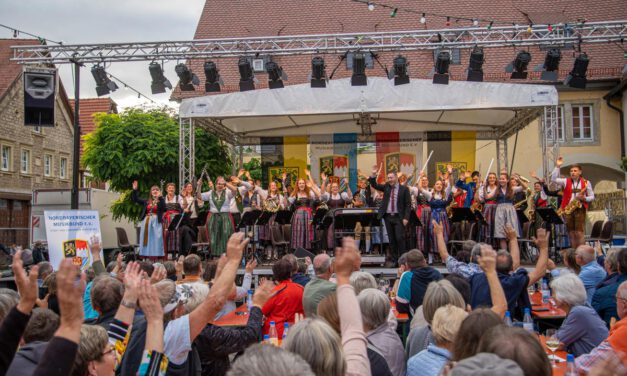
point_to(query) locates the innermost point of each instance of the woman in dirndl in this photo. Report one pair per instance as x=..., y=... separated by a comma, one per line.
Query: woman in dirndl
x=220, y=224
x=151, y=232
x=438, y=199
x=335, y=200
x=489, y=208
x=540, y=200
x=505, y=213
x=423, y=212
x=173, y=207
x=302, y=200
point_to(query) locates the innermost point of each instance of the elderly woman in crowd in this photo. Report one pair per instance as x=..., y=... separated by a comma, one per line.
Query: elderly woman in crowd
x=319, y=344
x=327, y=310
x=583, y=329
x=445, y=325
x=364, y=280
x=375, y=307
x=570, y=262
x=438, y=295
x=95, y=354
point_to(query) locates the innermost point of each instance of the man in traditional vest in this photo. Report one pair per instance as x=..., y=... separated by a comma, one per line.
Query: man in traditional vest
x=575, y=188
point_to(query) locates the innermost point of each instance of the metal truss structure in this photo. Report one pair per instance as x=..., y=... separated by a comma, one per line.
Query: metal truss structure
x=560, y=36
x=505, y=36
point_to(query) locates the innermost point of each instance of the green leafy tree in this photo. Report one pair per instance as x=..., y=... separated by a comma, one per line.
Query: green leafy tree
x=143, y=145
x=254, y=167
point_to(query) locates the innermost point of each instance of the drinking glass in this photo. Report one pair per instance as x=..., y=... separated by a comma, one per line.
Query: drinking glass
x=552, y=343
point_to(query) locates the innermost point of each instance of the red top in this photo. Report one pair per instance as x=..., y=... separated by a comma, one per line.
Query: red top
x=283, y=306
x=568, y=191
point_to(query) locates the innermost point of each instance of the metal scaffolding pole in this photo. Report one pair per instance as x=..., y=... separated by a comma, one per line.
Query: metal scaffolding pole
x=504, y=36
x=549, y=140
x=186, y=150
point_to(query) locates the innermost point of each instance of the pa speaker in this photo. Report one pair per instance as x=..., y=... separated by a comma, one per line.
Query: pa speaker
x=40, y=88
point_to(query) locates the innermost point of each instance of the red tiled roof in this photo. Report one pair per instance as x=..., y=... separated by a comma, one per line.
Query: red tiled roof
x=10, y=70
x=227, y=18
x=90, y=106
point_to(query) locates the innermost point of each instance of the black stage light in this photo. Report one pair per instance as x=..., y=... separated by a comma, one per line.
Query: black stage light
x=519, y=65
x=399, y=72
x=359, y=70
x=187, y=79
x=275, y=75
x=577, y=77
x=318, y=73
x=159, y=82
x=475, y=66
x=103, y=84
x=442, y=62
x=212, y=76
x=246, y=81
x=551, y=65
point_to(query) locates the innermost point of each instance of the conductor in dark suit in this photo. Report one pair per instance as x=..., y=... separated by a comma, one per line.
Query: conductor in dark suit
x=395, y=209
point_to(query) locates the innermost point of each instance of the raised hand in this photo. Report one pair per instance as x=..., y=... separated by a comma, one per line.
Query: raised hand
x=132, y=279
x=263, y=293
x=308, y=173
x=308, y=260
x=94, y=247
x=235, y=247
x=26, y=284
x=149, y=301
x=559, y=162
x=251, y=265
x=449, y=168
x=70, y=289
x=323, y=176
x=467, y=174
x=135, y=185
x=347, y=260
x=158, y=274
x=541, y=239
x=437, y=228
x=487, y=260
x=510, y=233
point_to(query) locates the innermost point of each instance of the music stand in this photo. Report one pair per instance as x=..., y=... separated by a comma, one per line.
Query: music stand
x=463, y=214
x=264, y=218
x=319, y=218
x=175, y=222
x=550, y=217
x=522, y=218
x=413, y=219
x=283, y=217
x=249, y=218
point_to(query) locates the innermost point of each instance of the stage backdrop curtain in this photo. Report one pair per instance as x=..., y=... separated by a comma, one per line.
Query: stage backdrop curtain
x=457, y=148
x=398, y=152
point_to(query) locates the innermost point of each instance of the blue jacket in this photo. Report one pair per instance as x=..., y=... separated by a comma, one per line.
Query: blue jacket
x=470, y=191
x=604, y=300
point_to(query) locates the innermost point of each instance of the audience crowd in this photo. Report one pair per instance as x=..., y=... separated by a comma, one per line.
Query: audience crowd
x=330, y=318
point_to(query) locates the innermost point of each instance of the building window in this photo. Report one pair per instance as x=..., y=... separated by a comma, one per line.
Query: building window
x=6, y=158
x=25, y=162
x=63, y=168
x=560, y=122
x=47, y=165
x=582, y=122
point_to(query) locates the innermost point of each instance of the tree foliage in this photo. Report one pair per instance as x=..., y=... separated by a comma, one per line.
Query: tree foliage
x=254, y=167
x=143, y=145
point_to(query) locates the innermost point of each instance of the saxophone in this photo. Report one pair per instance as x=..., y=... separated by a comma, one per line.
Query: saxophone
x=572, y=205
x=449, y=209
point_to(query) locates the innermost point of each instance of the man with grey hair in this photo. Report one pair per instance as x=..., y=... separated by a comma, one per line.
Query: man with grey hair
x=591, y=273
x=610, y=264
x=263, y=360
x=604, y=299
x=616, y=342
x=319, y=287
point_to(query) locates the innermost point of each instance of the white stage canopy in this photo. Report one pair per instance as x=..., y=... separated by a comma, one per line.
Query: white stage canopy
x=496, y=108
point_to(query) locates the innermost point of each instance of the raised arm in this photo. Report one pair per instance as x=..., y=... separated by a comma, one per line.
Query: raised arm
x=512, y=240
x=441, y=243
x=312, y=184
x=376, y=170
x=487, y=262
x=556, y=172
x=542, y=242
x=135, y=194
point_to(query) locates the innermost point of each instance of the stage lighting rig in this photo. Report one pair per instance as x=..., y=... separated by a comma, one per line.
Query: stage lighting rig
x=275, y=75
x=318, y=73
x=399, y=71
x=442, y=62
x=359, y=70
x=551, y=65
x=518, y=67
x=247, y=78
x=212, y=77
x=187, y=79
x=104, y=85
x=159, y=82
x=577, y=77
x=475, y=66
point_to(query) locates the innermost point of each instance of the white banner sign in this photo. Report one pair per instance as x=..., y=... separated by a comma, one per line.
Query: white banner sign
x=68, y=233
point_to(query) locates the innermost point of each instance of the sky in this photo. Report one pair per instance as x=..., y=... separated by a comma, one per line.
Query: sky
x=99, y=21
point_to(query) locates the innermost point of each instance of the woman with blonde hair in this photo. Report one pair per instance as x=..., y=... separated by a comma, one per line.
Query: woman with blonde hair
x=438, y=294
x=445, y=325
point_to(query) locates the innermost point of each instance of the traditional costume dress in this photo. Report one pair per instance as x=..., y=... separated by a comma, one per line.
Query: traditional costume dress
x=334, y=201
x=188, y=229
x=438, y=203
x=220, y=224
x=151, y=231
x=173, y=207
x=423, y=212
x=489, y=210
x=278, y=200
x=505, y=213
x=540, y=200
x=379, y=233
x=302, y=228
